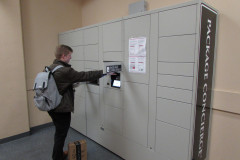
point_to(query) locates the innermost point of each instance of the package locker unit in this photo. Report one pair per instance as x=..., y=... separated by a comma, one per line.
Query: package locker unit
x=164, y=112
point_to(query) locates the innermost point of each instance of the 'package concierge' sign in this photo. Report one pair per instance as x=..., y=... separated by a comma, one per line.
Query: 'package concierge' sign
x=205, y=73
x=137, y=55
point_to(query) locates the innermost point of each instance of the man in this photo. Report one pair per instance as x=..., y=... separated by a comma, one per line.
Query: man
x=65, y=77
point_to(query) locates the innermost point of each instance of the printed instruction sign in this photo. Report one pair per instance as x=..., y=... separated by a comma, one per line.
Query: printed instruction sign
x=137, y=55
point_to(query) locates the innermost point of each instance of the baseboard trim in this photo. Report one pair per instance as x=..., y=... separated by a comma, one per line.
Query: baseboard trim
x=227, y=101
x=21, y=135
x=12, y=138
x=37, y=128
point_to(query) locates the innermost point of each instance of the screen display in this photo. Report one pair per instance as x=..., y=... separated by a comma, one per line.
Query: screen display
x=116, y=83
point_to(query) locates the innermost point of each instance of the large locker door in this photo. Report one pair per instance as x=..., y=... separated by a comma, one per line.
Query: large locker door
x=78, y=53
x=179, y=21
x=135, y=28
x=172, y=141
x=74, y=39
x=93, y=108
x=93, y=115
x=90, y=36
x=78, y=121
x=112, y=46
x=64, y=38
x=91, y=52
x=113, y=41
x=136, y=87
x=91, y=44
x=135, y=125
x=71, y=38
x=113, y=110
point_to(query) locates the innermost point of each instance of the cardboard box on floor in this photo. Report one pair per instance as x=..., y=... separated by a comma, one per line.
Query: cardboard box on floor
x=77, y=150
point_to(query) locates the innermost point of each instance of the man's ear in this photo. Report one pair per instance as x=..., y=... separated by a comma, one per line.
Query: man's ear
x=62, y=57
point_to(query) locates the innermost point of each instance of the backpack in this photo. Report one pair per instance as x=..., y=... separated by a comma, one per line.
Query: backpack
x=46, y=96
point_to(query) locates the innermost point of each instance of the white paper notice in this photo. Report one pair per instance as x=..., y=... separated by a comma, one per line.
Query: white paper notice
x=137, y=55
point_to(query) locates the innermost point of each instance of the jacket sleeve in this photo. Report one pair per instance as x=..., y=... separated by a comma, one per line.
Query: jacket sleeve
x=69, y=75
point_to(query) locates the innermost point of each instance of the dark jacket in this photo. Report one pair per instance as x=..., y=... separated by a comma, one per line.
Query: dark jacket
x=65, y=77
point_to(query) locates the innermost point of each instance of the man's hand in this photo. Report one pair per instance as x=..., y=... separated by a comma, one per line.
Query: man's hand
x=111, y=73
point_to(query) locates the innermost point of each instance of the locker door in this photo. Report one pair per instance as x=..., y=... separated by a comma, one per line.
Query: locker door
x=113, y=41
x=78, y=121
x=136, y=112
x=178, y=21
x=71, y=38
x=135, y=28
x=90, y=36
x=78, y=53
x=93, y=115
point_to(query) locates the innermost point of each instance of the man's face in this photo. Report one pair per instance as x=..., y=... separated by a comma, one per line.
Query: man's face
x=67, y=58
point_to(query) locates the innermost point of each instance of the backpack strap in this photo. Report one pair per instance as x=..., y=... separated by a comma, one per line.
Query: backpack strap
x=56, y=68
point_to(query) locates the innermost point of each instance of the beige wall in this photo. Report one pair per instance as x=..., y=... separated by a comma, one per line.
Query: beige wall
x=225, y=137
x=96, y=11
x=14, y=112
x=42, y=21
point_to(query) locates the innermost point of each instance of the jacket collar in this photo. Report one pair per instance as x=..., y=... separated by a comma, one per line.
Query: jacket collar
x=56, y=61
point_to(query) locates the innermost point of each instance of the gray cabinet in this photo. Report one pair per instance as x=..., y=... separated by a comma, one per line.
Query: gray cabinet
x=153, y=115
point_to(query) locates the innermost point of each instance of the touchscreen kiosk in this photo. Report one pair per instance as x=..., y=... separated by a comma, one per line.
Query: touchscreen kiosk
x=116, y=83
x=114, y=79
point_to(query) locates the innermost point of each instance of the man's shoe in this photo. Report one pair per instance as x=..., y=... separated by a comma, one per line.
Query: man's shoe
x=65, y=155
